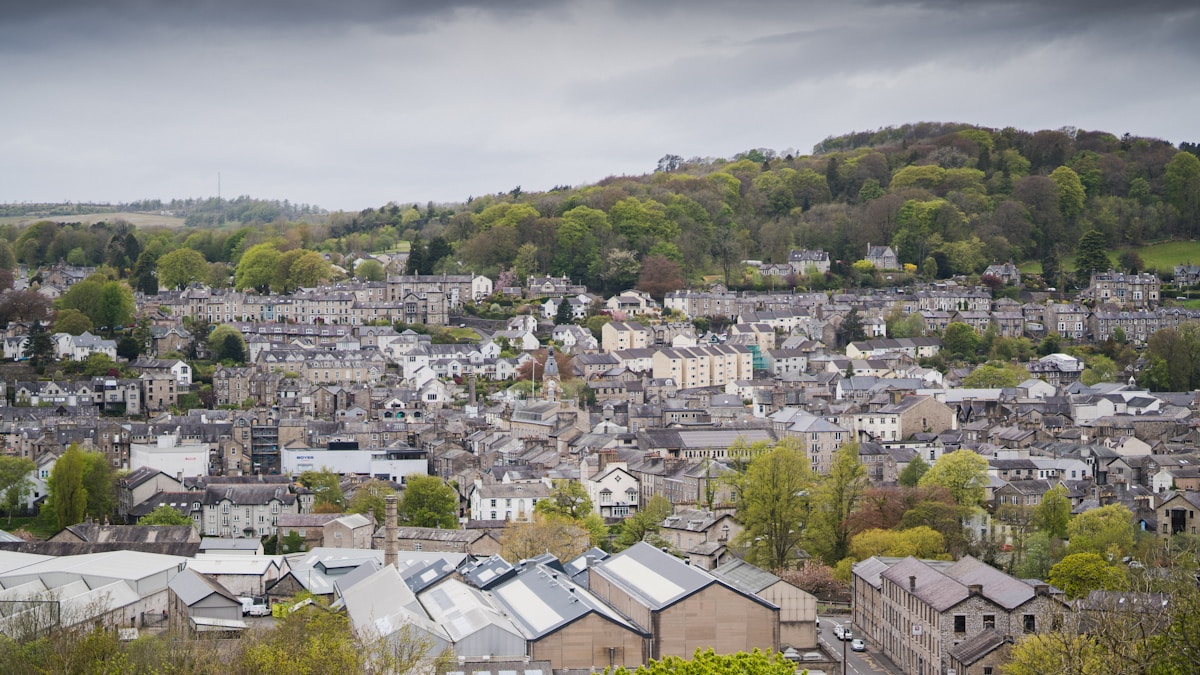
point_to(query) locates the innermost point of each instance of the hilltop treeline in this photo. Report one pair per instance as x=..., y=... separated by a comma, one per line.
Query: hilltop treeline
x=950, y=198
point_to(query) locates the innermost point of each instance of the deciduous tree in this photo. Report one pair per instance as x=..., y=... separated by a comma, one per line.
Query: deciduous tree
x=963, y=473
x=429, y=502
x=773, y=498
x=165, y=514
x=15, y=484
x=67, y=491
x=181, y=267
x=834, y=499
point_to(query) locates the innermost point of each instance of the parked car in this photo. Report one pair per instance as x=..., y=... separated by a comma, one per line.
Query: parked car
x=842, y=632
x=858, y=645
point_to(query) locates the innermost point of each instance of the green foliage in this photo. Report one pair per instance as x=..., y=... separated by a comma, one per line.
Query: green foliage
x=15, y=484
x=326, y=487
x=292, y=543
x=710, y=663
x=369, y=497
x=643, y=523
x=911, y=475
x=773, y=503
x=257, y=267
x=227, y=344
x=165, y=515
x=1091, y=256
x=1081, y=573
x=67, y=490
x=1107, y=530
x=429, y=502
x=568, y=498
x=960, y=340
x=834, y=499
x=370, y=270
x=1053, y=513
x=181, y=267
x=920, y=541
x=995, y=375
x=963, y=473
x=72, y=321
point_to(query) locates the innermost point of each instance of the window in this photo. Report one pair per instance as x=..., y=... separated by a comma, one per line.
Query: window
x=987, y=670
x=493, y=503
x=989, y=622
x=960, y=623
x=1030, y=623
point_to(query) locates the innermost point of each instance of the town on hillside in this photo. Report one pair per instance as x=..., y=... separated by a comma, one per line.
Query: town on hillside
x=523, y=475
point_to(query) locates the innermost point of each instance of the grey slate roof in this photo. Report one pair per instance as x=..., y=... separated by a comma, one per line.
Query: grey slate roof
x=976, y=647
x=192, y=587
x=745, y=576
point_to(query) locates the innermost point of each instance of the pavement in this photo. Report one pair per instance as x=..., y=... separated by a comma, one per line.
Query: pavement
x=870, y=662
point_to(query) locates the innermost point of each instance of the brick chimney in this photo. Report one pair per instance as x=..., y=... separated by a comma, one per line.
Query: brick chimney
x=390, y=545
x=912, y=584
x=975, y=589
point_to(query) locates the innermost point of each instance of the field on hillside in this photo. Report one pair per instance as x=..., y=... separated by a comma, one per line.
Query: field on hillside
x=1163, y=256
x=137, y=219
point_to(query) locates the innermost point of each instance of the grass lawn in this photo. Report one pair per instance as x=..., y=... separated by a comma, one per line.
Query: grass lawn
x=40, y=527
x=1163, y=256
x=1166, y=255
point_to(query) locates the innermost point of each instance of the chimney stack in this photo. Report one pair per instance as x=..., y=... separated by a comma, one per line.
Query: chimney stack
x=912, y=584
x=975, y=589
x=390, y=545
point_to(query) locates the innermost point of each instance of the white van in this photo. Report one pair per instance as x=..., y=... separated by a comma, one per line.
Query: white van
x=842, y=632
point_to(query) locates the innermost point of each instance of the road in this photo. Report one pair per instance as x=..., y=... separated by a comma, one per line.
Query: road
x=857, y=663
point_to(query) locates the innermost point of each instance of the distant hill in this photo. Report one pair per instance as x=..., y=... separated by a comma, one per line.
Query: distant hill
x=950, y=198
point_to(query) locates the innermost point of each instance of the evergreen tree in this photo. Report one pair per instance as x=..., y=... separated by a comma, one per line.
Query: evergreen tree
x=39, y=346
x=563, y=314
x=1091, y=256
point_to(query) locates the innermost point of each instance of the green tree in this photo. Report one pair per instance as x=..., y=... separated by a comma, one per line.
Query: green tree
x=710, y=663
x=995, y=376
x=67, y=490
x=370, y=270
x=221, y=343
x=1100, y=369
x=72, y=321
x=117, y=307
x=643, y=524
x=165, y=515
x=15, y=484
x=568, y=498
x=920, y=542
x=1183, y=189
x=144, y=275
x=963, y=473
x=1056, y=652
x=834, y=499
x=1071, y=194
x=429, y=502
x=1107, y=530
x=370, y=498
x=1081, y=573
x=773, y=503
x=562, y=313
x=852, y=327
x=281, y=276
x=256, y=267
x=1091, y=256
x=39, y=345
x=960, y=340
x=1053, y=514
x=911, y=475
x=326, y=487
x=100, y=484
x=309, y=270
x=181, y=267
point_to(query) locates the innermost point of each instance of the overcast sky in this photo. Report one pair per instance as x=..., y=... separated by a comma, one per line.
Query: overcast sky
x=348, y=104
